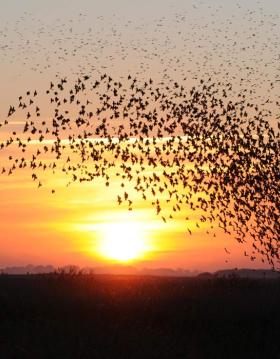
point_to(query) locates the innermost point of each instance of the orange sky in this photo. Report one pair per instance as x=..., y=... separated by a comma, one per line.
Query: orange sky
x=41, y=41
x=64, y=228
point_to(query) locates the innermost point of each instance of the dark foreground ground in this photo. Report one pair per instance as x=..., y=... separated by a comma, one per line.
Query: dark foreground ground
x=61, y=316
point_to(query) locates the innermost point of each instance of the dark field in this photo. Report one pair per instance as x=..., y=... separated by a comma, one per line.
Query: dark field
x=86, y=316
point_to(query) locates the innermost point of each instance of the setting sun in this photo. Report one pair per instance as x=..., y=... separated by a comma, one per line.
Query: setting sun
x=122, y=242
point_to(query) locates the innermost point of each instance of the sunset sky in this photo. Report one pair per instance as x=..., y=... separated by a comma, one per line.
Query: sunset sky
x=80, y=224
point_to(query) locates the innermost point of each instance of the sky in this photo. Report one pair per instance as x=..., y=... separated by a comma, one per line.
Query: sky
x=229, y=41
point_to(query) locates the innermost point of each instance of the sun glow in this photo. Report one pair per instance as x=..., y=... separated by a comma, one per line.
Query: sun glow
x=122, y=242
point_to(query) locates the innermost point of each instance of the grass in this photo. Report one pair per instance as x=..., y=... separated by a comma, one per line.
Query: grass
x=102, y=316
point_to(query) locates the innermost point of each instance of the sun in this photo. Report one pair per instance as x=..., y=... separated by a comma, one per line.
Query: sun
x=122, y=242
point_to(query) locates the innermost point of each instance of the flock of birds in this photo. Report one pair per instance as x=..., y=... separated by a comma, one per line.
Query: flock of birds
x=233, y=41
x=209, y=146
x=179, y=149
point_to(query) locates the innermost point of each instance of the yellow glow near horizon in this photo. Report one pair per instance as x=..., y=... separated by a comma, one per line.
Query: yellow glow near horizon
x=122, y=241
